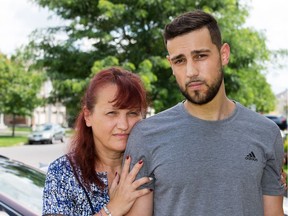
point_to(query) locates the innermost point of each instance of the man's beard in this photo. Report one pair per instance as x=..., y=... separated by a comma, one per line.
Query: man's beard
x=200, y=98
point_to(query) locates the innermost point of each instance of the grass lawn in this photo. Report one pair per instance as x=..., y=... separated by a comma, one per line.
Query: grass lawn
x=22, y=129
x=21, y=133
x=6, y=141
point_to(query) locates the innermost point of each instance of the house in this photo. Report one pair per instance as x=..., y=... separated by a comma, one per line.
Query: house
x=50, y=113
x=2, y=125
x=282, y=103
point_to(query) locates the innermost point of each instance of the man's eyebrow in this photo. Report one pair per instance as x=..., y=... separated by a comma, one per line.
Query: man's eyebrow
x=177, y=57
x=194, y=52
x=200, y=51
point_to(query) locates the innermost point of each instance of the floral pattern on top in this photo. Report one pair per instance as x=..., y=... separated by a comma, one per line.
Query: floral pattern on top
x=64, y=195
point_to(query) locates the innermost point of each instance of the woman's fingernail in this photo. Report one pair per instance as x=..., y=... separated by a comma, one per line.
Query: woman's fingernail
x=151, y=190
x=150, y=178
x=140, y=162
x=127, y=157
x=116, y=173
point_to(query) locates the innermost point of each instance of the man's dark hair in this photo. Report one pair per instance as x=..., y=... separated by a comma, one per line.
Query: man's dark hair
x=191, y=21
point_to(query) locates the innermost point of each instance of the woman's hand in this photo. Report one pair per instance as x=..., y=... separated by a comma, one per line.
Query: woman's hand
x=284, y=176
x=123, y=191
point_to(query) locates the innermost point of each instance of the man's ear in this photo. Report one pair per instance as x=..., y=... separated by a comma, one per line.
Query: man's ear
x=168, y=58
x=225, y=54
x=87, y=116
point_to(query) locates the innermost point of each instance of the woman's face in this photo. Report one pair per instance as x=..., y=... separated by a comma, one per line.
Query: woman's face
x=111, y=126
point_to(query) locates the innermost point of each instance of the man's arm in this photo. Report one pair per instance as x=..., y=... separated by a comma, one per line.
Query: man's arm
x=143, y=206
x=273, y=205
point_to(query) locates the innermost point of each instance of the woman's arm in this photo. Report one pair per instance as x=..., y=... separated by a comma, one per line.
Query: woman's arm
x=273, y=205
x=125, y=190
x=143, y=206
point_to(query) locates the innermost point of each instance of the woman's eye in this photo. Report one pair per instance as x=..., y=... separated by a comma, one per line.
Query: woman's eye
x=111, y=113
x=134, y=113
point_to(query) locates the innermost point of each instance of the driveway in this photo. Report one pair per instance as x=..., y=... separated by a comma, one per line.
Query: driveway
x=35, y=155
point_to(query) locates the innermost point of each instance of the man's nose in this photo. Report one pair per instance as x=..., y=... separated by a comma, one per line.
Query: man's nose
x=191, y=70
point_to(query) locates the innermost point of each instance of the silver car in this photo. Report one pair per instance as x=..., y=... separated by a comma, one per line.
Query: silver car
x=47, y=133
x=21, y=188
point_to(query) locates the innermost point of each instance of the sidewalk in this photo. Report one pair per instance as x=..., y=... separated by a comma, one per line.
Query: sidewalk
x=8, y=132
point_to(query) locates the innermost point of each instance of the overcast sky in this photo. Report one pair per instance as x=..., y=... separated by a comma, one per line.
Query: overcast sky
x=18, y=18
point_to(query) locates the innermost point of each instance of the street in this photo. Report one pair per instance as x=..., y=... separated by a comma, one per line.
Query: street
x=35, y=155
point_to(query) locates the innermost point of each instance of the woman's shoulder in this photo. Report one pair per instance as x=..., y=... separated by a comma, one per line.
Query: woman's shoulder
x=61, y=165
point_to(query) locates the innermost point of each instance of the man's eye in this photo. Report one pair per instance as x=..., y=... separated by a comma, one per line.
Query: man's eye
x=200, y=56
x=178, y=61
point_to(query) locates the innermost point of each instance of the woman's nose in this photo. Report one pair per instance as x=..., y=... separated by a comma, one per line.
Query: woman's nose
x=123, y=123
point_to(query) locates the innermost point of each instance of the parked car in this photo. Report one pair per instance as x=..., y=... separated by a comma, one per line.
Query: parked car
x=47, y=133
x=21, y=188
x=281, y=121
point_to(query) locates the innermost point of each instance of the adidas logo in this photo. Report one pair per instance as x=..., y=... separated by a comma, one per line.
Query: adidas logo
x=251, y=156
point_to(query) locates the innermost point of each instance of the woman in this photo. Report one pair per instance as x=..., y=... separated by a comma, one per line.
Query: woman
x=79, y=183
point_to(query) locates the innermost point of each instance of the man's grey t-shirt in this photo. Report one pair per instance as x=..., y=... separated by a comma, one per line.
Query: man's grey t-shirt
x=209, y=167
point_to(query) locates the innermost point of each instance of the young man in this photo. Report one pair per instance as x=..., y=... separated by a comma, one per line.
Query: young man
x=209, y=155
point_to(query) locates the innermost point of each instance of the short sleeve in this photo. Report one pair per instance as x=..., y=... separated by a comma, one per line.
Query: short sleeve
x=271, y=179
x=137, y=150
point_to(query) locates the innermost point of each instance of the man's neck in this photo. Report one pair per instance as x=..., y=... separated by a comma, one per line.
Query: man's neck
x=218, y=109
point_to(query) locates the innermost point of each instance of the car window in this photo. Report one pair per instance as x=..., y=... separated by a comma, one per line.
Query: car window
x=6, y=210
x=44, y=127
x=272, y=117
x=23, y=185
x=47, y=127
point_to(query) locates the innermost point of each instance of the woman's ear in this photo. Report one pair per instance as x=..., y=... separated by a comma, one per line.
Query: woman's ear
x=225, y=54
x=87, y=116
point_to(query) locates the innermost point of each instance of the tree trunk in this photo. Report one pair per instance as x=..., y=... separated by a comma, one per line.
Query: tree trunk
x=13, y=125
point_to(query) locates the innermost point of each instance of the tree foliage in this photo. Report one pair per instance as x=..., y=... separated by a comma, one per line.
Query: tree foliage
x=128, y=33
x=19, y=88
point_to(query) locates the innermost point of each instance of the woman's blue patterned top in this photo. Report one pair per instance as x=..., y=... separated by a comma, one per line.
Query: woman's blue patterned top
x=64, y=195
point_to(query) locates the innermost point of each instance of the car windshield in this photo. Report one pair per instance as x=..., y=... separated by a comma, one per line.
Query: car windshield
x=45, y=127
x=22, y=184
x=272, y=117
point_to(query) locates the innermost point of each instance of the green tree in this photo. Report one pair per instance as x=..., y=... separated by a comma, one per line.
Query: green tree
x=19, y=89
x=129, y=33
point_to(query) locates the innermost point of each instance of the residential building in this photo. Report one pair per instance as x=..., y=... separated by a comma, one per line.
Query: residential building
x=282, y=103
x=50, y=113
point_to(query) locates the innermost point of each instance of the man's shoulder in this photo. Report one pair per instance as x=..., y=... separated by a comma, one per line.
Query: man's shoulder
x=162, y=121
x=255, y=117
x=171, y=112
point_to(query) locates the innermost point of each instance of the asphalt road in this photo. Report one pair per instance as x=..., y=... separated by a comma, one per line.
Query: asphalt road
x=35, y=155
